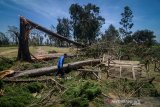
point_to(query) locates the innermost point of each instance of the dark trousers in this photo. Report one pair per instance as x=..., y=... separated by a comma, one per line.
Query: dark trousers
x=60, y=71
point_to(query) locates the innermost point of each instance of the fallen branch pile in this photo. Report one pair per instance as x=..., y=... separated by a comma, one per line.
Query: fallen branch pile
x=9, y=80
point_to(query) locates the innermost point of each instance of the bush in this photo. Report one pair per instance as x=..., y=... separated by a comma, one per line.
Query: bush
x=15, y=97
x=35, y=87
x=79, y=96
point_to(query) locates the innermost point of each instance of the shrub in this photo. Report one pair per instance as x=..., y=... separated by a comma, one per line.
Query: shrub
x=35, y=87
x=15, y=97
x=79, y=96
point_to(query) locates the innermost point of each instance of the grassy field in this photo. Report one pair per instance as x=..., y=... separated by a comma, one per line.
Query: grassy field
x=11, y=52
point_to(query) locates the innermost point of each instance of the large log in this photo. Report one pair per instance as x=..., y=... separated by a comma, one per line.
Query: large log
x=49, y=70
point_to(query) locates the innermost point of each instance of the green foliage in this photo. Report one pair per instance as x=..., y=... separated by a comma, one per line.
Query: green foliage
x=155, y=52
x=35, y=87
x=86, y=22
x=124, y=86
x=15, y=97
x=4, y=40
x=37, y=65
x=126, y=22
x=79, y=96
x=5, y=63
x=111, y=34
x=52, y=51
x=63, y=28
x=144, y=37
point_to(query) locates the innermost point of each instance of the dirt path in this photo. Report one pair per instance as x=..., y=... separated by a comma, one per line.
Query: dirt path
x=42, y=53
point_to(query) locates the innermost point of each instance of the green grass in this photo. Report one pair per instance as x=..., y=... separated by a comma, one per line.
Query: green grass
x=6, y=63
x=15, y=97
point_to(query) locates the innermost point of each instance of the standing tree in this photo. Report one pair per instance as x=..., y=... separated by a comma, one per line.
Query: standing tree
x=111, y=34
x=86, y=22
x=144, y=37
x=126, y=22
x=4, y=40
x=63, y=28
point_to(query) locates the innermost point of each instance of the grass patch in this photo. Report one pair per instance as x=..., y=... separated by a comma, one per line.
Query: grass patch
x=5, y=63
x=35, y=87
x=52, y=51
x=15, y=97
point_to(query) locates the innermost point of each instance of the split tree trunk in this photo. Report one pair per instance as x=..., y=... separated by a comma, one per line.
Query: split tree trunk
x=49, y=70
x=23, y=49
x=25, y=26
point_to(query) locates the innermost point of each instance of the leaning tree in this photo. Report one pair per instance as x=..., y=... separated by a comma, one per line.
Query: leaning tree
x=25, y=27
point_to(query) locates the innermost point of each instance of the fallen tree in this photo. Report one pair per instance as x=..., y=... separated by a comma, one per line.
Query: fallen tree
x=49, y=70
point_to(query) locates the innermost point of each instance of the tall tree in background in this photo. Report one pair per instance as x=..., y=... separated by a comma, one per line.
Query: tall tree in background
x=63, y=28
x=126, y=22
x=14, y=32
x=36, y=37
x=86, y=22
x=144, y=37
x=111, y=34
x=4, y=40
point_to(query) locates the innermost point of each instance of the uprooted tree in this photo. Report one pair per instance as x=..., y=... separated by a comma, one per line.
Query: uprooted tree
x=25, y=27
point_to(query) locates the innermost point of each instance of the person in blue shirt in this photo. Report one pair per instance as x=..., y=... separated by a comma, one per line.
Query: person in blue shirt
x=60, y=66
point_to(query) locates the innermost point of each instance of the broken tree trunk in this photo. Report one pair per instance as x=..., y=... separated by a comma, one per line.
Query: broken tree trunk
x=58, y=36
x=25, y=27
x=48, y=70
x=23, y=50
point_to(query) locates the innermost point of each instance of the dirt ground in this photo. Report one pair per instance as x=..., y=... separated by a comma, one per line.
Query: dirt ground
x=38, y=51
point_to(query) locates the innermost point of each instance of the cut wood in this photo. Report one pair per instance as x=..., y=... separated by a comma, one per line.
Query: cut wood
x=5, y=73
x=48, y=70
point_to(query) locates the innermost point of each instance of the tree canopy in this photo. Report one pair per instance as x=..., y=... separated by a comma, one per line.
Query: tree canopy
x=86, y=22
x=111, y=34
x=144, y=37
x=126, y=22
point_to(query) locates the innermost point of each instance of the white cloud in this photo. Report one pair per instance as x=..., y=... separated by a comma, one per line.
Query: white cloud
x=46, y=8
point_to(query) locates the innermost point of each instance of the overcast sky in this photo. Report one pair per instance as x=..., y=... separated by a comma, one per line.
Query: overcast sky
x=45, y=12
